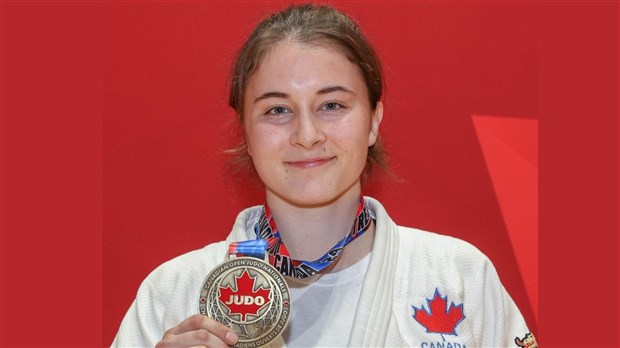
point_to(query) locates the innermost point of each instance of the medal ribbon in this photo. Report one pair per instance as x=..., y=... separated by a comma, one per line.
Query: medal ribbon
x=279, y=257
x=254, y=248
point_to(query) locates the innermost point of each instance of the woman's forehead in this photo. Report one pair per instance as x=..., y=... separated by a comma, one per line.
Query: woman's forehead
x=302, y=67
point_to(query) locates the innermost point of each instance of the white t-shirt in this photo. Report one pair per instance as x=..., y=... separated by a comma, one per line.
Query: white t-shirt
x=324, y=307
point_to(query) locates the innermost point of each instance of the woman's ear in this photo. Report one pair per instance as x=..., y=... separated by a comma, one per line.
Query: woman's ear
x=246, y=144
x=375, y=121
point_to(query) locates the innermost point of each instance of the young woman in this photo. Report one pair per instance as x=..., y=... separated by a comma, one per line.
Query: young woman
x=307, y=88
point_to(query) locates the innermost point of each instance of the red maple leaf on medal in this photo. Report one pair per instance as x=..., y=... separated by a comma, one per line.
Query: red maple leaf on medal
x=439, y=318
x=244, y=299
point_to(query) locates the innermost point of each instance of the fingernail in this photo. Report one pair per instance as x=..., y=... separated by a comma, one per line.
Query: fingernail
x=231, y=337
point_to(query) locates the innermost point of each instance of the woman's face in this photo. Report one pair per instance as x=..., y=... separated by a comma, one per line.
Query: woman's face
x=308, y=124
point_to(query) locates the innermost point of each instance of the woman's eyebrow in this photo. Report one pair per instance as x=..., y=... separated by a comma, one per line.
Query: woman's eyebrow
x=331, y=89
x=322, y=91
x=271, y=95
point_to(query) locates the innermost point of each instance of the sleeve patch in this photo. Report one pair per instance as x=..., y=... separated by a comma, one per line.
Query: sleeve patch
x=529, y=341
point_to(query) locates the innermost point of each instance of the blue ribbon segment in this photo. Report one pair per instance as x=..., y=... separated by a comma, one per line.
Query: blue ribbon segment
x=253, y=248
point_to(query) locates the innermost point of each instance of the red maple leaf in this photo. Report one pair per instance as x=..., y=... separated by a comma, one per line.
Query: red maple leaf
x=439, y=319
x=244, y=299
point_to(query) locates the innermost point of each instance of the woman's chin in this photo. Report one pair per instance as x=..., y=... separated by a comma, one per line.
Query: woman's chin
x=312, y=197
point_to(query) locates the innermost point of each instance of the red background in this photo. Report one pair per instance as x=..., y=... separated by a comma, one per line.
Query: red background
x=115, y=116
x=165, y=116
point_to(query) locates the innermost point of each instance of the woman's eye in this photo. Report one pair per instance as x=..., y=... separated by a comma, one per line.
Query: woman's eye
x=332, y=106
x=277, y=110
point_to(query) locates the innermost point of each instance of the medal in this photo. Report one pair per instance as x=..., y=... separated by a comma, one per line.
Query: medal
x=248, y=292
x=248, y=295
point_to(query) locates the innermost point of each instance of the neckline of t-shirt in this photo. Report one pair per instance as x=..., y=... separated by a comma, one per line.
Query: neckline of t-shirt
x=351, y=273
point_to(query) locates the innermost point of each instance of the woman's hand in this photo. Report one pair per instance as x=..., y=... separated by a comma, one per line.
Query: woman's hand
x=198, y=330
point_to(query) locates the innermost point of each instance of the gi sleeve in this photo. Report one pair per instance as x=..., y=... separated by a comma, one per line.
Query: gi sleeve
x=142, y=325
x=503, y=326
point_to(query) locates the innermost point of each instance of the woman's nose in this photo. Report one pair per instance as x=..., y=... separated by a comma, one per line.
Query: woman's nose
x=307, y=132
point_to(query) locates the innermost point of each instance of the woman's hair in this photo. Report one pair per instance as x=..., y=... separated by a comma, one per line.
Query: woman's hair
x=312, y=25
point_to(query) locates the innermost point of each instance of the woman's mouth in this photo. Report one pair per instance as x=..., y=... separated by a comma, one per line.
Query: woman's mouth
x=310, y=163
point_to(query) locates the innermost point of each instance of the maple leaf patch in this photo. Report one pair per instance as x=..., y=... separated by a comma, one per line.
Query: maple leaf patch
x=244, y=299
x=439, y=318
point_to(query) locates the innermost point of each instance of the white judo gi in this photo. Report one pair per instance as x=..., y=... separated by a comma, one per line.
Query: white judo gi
x=420, y=289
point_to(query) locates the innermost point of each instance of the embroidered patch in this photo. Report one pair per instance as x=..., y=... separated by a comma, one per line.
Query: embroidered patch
x=439, y=318
x=529, y=341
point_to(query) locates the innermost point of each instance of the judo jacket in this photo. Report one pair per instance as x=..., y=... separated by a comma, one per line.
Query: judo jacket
x=421, y=289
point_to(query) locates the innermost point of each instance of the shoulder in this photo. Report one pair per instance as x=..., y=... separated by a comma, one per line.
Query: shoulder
x=438, y=246
x=189, y=265
x=425, y=246
x=171, y=281
x=440, y=259
x=198, y=263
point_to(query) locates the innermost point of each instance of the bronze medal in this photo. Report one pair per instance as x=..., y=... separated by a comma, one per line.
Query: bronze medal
x=249, y=296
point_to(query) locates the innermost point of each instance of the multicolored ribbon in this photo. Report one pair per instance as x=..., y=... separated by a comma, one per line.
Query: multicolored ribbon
x=269, y=237
x=254, y=248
